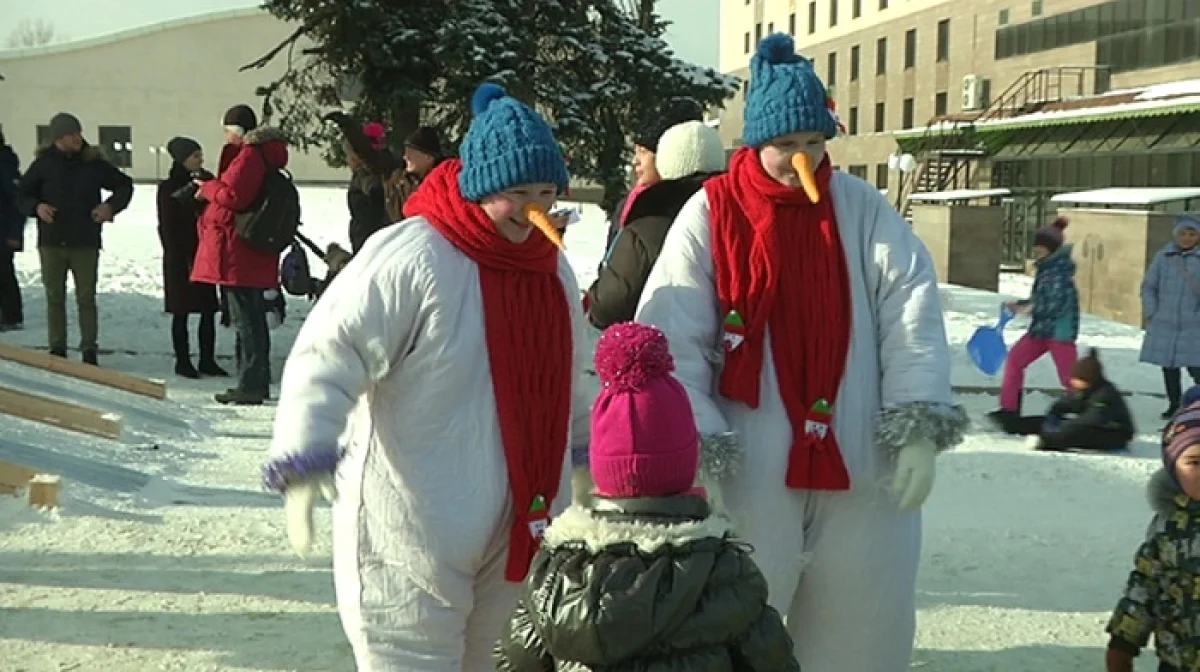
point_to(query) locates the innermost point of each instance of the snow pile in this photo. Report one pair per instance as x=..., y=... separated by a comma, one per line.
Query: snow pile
x=1186, y=87
x=166, y=554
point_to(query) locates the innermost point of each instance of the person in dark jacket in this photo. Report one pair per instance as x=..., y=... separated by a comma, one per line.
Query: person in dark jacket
x=645, y=153
x=178, y=212
x=646, y=577
x=62, y=188
x=688, y=154
x=1093, y=417
x=12, y=239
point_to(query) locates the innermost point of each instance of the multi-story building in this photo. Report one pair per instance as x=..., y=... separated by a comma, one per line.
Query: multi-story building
x=1036, y=96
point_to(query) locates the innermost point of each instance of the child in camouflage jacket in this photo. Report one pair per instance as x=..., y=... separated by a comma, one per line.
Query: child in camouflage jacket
x=1161, y=596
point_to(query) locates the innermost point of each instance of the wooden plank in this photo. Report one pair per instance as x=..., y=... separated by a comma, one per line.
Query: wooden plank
x=155, y=389
x=60, y=414
x=14, y=477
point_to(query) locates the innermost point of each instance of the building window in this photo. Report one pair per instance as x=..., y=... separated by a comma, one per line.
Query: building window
x=940, y=103
x=771, y=28
x=747, y=41
x=881, y=175
x=758, y=32
x=910, y=49
x=1037, y=7
x=883, y=4
x=831, y=74
x=909, y=112
x=859, y=171
x=117, y=144
x=880, y=117
x=833, y=9
x=792, y=23
x=881, y=56
x=855, y=12
x=812, y=17
x=1003, y=20
x=855, y=56
x=943, y=41
x=852, y=122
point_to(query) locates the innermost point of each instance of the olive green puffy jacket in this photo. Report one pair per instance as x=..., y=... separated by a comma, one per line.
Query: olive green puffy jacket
x=645, y=585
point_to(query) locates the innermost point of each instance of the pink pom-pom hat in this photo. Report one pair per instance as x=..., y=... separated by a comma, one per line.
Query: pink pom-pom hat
x=644, y=438
x=376, y=133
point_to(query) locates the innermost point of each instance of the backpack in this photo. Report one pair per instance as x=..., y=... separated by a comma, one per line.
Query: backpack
x=271, y=223
x=294, y=274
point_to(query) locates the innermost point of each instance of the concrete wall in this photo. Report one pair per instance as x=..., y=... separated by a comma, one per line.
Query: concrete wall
x=1113, y=249
x=170, y=79
x=964, y=240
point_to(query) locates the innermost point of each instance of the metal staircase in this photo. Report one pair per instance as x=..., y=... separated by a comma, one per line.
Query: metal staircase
x=949, y=150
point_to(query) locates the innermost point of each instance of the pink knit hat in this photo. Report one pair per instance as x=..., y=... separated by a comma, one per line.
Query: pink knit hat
x=644, y=438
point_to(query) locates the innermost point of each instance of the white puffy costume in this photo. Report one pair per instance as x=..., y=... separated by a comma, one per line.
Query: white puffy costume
x=841, y=564
x=390, y=380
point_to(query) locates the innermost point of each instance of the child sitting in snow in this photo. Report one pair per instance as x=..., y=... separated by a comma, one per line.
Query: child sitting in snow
x=1054, y=311
x=647, y=573
x=1160, y=595
x=1093, y=417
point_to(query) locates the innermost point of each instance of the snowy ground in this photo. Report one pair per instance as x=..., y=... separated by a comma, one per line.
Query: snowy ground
x=167, y=556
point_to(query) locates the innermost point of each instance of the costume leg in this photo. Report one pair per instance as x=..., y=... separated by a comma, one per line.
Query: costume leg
x=495, y=599
x=1024, y=352
x=856, y=605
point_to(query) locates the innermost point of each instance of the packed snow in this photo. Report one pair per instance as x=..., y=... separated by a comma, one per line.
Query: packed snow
x=166, y=554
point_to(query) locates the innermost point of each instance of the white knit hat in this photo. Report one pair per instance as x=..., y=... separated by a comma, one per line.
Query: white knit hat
x=687, y=149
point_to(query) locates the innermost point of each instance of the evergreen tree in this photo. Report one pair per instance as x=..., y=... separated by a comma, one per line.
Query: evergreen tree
x=595, y=69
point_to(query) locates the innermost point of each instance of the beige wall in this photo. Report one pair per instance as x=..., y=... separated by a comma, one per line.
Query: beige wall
x=166, y=80
x=972, y=51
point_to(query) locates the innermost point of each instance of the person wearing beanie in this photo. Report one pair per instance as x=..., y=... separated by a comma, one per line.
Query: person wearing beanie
x=646, y=577
x=1093, y=417
x=247, y=276
x=1170, y=301
x=672, y=112
x=1053, y=309
x=178, y=213
x=12, y=239
x=688, y=154
x=451, y=341
x=1159, y=595
x=374, y=168
x=64, y=189
x=820, y=445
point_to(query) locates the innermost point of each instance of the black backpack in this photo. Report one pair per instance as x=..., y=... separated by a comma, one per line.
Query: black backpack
x=271, y=223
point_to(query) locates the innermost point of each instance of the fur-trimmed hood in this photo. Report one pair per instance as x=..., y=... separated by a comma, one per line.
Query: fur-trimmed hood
x=1164, y=494
x=611, y=523
x=264, y=134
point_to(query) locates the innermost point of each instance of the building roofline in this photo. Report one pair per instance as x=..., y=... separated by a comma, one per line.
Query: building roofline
x=122, y=35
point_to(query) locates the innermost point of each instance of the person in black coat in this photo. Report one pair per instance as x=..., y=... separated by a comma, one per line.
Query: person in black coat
x=178, y=212
x=1093, y=417
x=12, y=239
x=688, y=154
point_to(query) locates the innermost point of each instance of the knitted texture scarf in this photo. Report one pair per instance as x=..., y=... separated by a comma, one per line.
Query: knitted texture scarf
x=780, y=265
x=529, y=341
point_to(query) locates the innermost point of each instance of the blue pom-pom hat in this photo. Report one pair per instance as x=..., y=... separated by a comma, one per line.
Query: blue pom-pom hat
x=786, y=96
x=508, y=144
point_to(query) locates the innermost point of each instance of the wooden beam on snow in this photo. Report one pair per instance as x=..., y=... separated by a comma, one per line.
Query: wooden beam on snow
x=155, y=389
x=60, y=414
x=15, y=477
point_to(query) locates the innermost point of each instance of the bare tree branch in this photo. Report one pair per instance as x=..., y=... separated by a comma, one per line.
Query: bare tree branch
x=270, y=55
x=32, y=33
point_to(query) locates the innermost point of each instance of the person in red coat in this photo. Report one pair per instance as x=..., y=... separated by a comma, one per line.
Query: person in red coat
x=225, y=260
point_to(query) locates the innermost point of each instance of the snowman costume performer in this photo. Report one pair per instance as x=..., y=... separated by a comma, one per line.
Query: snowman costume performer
x=443, y=359
x=805, y=321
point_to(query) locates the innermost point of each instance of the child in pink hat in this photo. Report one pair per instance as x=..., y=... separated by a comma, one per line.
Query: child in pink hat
x=647, y=570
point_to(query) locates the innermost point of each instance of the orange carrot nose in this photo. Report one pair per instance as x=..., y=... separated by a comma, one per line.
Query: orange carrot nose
x=803, y=168
x=538, y=217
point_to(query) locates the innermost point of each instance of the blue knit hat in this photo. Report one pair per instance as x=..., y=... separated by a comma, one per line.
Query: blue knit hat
x=1186, y=222
x=508, y=144
x=785, y=96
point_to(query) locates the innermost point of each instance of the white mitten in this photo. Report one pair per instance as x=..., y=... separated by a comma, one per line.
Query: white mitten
x=916, y=466
x=299, y=500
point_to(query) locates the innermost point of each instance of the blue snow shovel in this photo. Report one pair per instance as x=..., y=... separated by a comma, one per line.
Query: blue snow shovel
x=987, y=348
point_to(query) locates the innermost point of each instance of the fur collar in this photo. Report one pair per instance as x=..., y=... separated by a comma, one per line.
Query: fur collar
x=1164, y=495
x=578, y=525
x=264, y=134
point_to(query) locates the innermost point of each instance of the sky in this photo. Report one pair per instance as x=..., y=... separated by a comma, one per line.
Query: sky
x=693, y=35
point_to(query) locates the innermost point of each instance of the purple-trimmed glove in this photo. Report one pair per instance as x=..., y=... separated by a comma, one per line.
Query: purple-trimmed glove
x=302, y=480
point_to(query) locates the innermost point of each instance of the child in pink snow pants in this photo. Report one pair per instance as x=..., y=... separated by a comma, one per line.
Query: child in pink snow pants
x=1054, y=310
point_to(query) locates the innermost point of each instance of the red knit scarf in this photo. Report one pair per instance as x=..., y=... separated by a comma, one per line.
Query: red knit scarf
x=529, y=342
x=779, y=263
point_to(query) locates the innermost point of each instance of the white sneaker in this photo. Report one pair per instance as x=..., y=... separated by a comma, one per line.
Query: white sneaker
x=1033, y=442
